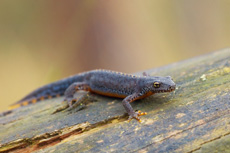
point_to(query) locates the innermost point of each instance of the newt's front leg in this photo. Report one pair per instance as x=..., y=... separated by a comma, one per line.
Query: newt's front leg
x=126, y=103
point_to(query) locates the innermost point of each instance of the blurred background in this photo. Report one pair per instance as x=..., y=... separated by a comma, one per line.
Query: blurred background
x=46, y=40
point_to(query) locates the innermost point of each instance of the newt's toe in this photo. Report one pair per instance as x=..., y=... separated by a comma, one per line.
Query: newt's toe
x=139, y=113
x=136, y=116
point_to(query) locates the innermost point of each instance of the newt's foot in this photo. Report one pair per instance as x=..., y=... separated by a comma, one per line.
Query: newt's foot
x=136, y=115
x=64, y=107
x=71, y=101
x=80, y=101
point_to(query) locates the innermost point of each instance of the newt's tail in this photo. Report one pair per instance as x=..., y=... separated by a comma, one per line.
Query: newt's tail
x=52, y=90
x=32, y=100
x=14, y=106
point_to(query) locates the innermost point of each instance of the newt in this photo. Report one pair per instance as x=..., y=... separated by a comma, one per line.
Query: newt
x=103, y=82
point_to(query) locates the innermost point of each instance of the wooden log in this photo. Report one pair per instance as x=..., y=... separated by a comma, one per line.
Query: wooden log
x=194, y=118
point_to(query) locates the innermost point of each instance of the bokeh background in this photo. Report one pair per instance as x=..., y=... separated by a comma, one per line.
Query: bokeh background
x=46, y=40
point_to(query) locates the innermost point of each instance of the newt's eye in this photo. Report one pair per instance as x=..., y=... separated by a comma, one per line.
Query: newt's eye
x=156, y=84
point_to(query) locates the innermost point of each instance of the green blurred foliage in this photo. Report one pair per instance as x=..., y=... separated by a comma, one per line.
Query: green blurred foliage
x=42, y=41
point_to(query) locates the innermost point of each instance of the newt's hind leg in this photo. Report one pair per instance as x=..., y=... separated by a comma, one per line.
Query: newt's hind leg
x=70, y=91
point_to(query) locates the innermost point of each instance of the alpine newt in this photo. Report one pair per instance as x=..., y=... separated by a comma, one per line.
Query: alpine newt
x=103, y=82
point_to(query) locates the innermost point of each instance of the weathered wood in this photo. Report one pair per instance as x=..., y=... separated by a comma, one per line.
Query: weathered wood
x=194, y=118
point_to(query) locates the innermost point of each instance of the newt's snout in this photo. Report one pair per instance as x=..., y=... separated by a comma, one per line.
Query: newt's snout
x=171, y=84
x=172, y=88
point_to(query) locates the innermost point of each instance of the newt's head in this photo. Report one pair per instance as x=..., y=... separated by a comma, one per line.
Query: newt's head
x=163, y=84
x=159, y=84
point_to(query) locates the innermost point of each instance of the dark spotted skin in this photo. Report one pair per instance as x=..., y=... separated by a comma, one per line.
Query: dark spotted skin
x=103, y=82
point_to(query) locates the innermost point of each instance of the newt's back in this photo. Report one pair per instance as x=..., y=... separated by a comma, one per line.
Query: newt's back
x=112, y=83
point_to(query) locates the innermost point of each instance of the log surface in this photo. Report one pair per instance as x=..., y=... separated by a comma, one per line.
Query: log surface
x=194, y=118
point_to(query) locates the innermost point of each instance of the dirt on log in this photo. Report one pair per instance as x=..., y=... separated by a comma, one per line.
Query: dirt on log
x=193, y=118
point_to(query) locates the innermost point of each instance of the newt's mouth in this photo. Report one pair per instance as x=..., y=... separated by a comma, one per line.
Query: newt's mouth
x=170, y=89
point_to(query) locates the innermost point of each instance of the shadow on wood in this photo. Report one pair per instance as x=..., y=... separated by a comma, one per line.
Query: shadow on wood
x=194, y=118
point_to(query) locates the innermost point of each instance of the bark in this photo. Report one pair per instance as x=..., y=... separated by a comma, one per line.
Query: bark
x=194, y=118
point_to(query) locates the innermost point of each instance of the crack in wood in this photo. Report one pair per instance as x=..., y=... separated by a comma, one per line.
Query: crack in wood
x=208, y=141
x=50, y=139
